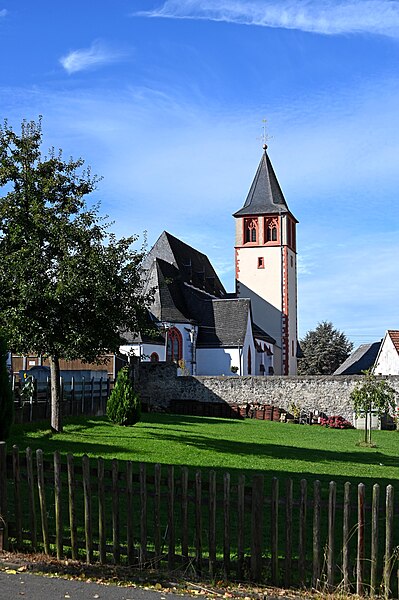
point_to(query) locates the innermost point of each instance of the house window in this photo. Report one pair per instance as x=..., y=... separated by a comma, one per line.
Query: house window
x=261, y=262
x=249, y=361
x=174, y=345
x=154, y=357
x=271, y=230
x=250, y=231
x=292, y=262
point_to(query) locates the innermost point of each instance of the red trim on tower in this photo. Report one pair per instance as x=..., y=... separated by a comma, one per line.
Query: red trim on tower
x=285, y=316
x=237, y=264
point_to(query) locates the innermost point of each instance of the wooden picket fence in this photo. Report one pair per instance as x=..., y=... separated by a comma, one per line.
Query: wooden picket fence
x=82, y=396
x=234, y=526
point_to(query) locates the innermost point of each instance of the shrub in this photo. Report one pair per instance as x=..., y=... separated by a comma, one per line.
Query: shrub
x=6, y=395
x=124, y=406
x=336, y=422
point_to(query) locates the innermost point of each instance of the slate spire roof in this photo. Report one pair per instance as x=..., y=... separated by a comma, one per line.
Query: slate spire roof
x=265, y=195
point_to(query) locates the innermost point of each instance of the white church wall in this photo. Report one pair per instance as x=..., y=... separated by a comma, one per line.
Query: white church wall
x=218, y=361
x=143, y=350
x=267, y=278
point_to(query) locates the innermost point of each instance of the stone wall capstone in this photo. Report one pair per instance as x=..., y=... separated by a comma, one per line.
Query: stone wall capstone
x=159, y=384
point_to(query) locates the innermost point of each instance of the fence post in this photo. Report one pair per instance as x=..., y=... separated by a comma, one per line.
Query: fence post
x=374, y=539
x=331, y=533
x=257, y=526
x=346, y=535
x=83, y=397
x=274, y=530
x=360, y=539
x=302, y=531
x=100, y=394
x=72, y=404
x=17, y=495
x=92, y=395
x=316, y=533
x=3, y=497
x=388, y=558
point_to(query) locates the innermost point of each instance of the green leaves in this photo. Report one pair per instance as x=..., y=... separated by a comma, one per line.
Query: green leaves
x=68, y=285
x=123, y=406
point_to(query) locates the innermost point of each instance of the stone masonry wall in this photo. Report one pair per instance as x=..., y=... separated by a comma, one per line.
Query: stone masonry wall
x=158, y=384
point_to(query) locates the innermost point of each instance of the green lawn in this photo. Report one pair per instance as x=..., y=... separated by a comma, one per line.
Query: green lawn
x=284, y=450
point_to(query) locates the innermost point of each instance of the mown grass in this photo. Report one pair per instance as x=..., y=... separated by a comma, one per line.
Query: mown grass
x=249, y=446
x=281, y=450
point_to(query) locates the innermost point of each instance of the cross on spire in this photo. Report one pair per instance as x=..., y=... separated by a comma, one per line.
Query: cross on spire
x=265, y=137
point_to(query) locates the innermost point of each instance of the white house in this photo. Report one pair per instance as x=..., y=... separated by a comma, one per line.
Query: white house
x=387, y=361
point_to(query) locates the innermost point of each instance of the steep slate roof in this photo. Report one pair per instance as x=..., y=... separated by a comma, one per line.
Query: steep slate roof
x=361, y=359
x=169, y=302
x=181, y=296
x=225, y=323
x=265, y=195
x=194, y=266
x=260, y=334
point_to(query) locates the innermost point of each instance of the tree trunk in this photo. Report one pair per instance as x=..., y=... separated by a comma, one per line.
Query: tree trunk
x=365, y=426
x=56, y=424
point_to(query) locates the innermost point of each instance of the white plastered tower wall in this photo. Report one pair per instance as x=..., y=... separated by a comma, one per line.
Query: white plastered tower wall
x=266, y=264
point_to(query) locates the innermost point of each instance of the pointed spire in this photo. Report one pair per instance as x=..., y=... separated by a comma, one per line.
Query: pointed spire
x=265, y=195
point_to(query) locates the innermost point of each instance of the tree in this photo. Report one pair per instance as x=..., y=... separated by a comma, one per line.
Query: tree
x=323, y=349
x=69, y=287
x=6, y=395
x=372, y=395
x=124, y=406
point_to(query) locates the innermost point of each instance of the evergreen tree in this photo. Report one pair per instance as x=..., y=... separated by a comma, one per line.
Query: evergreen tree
x=124, y=406
x=324, y=350
x=68, y=286
x=6, y=395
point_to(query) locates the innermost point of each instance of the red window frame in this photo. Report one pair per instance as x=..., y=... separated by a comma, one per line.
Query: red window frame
x=251, y=231
x=174, y=345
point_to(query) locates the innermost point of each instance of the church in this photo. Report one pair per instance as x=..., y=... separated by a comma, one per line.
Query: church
x=208, y=331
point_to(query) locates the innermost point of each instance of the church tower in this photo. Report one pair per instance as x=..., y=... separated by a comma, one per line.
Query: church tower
x=266, y=265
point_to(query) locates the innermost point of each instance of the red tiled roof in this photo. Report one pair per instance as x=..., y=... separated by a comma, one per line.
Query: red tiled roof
x=394, y=335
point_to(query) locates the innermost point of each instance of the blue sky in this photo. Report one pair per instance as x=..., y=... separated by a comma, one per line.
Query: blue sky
x=165, y=100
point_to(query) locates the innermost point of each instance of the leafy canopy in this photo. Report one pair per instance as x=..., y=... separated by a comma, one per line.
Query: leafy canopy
x=68, y=285
x=372, y=395
x=324, y=350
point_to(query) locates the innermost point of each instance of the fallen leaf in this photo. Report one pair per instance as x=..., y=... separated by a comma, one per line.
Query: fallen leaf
x=11, y=571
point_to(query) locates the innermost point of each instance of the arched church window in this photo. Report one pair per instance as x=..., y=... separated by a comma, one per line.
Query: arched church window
x=249, y=361
x=174, y=345
x=250, y=230
x=271, y=230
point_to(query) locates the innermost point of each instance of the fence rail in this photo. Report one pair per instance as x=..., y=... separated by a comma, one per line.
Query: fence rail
x=247, y=528
x=81, y=396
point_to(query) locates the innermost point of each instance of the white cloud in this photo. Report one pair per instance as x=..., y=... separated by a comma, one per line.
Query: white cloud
x=87, y=58
x=326, y=17
x=3, y=12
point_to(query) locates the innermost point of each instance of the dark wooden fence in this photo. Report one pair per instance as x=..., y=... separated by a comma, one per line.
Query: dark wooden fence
x=234, y=526
x=78, y=397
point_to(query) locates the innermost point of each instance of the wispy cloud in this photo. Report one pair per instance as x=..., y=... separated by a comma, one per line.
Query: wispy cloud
x=3, y=12
x=88, y=58
x=328, y=17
